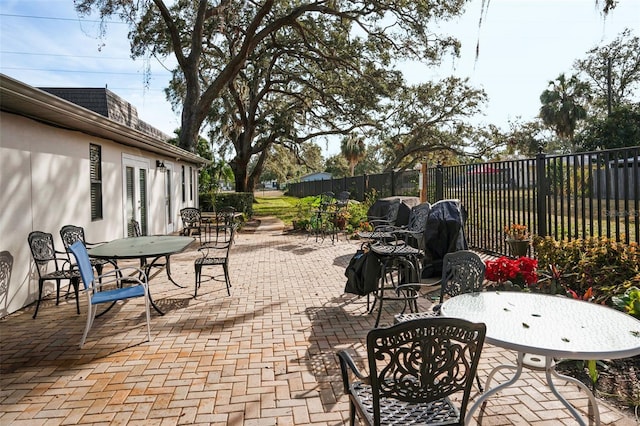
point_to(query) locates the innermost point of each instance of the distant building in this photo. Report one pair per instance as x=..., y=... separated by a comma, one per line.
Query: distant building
x=316, y=176
x=270, y=184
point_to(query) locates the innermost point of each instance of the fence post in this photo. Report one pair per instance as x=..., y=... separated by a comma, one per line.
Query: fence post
x=541, y=194
x=439, y=182
x=393, y=183
x=365, y=186
x=423, y=182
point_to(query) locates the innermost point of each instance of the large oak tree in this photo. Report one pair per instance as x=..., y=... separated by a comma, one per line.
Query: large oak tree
x=223, y=34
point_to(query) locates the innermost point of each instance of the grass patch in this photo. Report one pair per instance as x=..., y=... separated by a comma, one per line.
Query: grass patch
x=288, y=209
x=285, y=208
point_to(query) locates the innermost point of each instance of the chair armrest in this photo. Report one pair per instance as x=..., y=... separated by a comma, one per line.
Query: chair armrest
x=346, y=364
x=88, y=244
x=381, y=222
x=117, y=276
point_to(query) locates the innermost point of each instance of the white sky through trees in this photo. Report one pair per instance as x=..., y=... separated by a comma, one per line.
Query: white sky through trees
x=523, y=45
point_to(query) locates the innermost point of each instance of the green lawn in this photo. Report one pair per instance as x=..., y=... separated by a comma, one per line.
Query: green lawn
x=284, y=208
x=288, y=209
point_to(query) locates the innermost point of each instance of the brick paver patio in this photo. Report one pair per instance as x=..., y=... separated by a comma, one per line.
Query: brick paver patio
x=263, y=356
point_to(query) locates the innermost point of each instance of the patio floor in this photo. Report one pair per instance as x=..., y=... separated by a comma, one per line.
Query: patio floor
x=263, y=356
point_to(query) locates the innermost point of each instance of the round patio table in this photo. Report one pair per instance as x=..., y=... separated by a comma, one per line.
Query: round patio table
x=398, y=262
x=149, y=246
x=542, y=327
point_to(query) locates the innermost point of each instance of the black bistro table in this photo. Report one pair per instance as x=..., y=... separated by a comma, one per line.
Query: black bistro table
x=146, y=247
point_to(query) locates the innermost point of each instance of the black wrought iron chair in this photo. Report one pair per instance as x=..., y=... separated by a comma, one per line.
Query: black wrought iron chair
x=191, y=221
x=45, y=257
x=319, y=222
x=389, y=218
x=225, y=218
x=414, y=368
x=70, y=234
x=399, y=264
x=413, y=232
x=215, y=254
x=6, y=267
x=342, y=200
x=462, y=272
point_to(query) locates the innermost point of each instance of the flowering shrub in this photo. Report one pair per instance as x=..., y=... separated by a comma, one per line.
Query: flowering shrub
x=520, y=271
x=516, y=231
x=365, y=226
x=606, y=266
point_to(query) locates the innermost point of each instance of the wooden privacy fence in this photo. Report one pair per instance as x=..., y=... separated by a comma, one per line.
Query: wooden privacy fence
x=564, y=196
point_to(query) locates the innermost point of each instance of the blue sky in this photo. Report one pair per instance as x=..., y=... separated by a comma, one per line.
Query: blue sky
x=523, y=45
x=66, y=52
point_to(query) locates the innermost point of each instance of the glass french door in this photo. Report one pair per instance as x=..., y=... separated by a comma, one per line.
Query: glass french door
x=136, y=173
x=168, y=197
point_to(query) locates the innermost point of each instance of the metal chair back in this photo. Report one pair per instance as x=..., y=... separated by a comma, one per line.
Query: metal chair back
x=44, y=255
x=462, y=272
x=191, y=220
x=418, y=217
x=414, y=368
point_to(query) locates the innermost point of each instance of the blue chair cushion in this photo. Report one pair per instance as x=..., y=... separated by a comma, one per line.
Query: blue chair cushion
x=117, y=294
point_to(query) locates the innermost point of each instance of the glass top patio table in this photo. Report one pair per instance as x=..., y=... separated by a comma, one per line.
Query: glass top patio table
x=549, y=326
x=149, y=246
x=141, y=247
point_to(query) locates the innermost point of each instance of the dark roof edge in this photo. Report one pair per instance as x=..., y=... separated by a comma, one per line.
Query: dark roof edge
x=20, y=98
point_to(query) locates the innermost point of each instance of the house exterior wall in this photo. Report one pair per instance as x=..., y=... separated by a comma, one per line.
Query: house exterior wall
x=45, y=184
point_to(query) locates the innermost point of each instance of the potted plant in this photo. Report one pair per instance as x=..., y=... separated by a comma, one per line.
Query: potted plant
x=518, y=239
x=340, y=219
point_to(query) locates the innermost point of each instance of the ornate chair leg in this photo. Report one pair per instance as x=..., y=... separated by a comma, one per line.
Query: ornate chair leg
x=198, y=269
x=40, y=285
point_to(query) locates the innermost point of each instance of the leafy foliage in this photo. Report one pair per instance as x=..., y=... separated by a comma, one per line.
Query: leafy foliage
x=606, y=266
x=427, y=118
x=564, y=104
x=629, y=302
x=618, y=130
x=311, y=62
x=613, y=71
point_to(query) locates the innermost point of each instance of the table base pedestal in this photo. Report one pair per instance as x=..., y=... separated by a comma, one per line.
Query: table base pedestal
x=549, y=369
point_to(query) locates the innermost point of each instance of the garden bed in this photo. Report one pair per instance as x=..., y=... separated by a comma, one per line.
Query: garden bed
x=618, y=382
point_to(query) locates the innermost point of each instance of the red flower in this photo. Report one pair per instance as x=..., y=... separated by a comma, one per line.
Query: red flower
x=504, y=268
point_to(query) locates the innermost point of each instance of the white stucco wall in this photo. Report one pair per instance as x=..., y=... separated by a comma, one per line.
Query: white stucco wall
x=45, y=184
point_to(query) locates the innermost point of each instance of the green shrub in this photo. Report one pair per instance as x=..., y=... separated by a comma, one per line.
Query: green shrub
x=606, y=266
x=241, y=201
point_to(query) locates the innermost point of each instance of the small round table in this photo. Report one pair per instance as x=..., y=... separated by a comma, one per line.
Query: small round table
x=549, y=326
x=399, y=264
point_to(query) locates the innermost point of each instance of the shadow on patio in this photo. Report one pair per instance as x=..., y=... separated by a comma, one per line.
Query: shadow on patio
x=263, y=356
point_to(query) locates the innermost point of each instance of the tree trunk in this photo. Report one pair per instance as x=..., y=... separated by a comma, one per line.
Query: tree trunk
x=240, y=163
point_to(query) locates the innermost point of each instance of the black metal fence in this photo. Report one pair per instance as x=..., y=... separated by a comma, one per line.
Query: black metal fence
x=564, y=196
x=404, y=183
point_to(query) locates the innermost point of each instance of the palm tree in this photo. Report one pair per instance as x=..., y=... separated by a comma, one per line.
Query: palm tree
x=563, y=105
x=353, y=150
